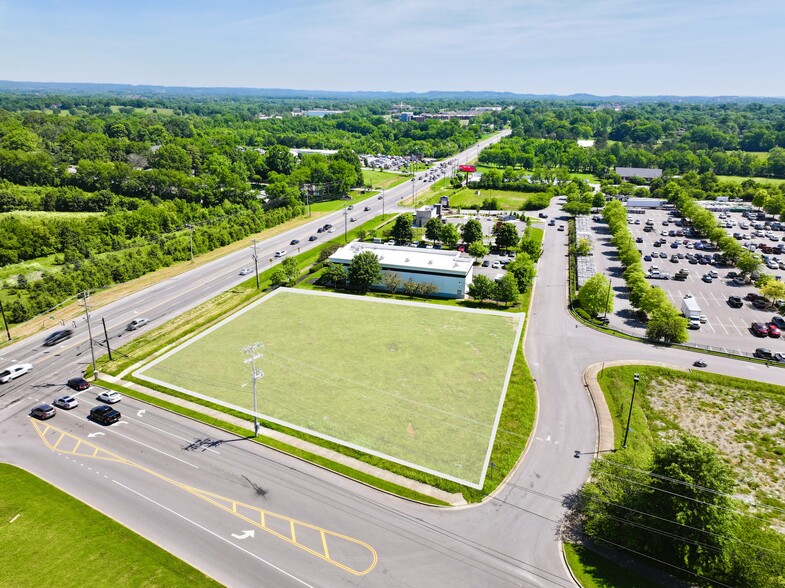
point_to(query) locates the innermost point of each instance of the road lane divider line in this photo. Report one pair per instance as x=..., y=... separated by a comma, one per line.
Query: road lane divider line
x=358, y=550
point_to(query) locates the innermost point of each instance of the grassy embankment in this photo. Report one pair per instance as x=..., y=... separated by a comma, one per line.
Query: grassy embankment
x=50, y=538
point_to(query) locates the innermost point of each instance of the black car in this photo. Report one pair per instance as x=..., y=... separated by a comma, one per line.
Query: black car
x=763, y=353
x=486, y=263
x=294, y=242
x=543, y=215
x=43, y=411
x=58, y=336
x=735, y=302
x=106, y=415
x=78, y=384
x=312, y=238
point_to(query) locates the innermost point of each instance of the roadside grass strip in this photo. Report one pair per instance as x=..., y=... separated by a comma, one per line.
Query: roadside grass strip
x=421, y=385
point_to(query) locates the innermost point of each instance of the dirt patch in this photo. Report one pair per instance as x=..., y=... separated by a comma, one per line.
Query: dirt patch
x=746, y=427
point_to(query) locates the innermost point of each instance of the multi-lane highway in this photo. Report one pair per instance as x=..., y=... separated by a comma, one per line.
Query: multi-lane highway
x=249, y=516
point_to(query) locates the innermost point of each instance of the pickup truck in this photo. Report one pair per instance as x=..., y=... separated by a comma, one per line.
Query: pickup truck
x=658, y=275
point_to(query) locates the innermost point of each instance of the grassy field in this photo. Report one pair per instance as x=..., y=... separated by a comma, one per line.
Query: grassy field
x=382, y=179
x=417, y=384
x=740, y=179
x=742, y=419
x=465, y=198
x=52, y=539
x=594, y=571
x=332, y=205
x=146, y=110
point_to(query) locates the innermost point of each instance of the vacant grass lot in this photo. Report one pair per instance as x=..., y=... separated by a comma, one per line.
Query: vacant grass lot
x=743, y=419
x=52, y=539
x=382, y=179
x=466, y=198
x=595, y=571
x=419, y=384
x=740, y=179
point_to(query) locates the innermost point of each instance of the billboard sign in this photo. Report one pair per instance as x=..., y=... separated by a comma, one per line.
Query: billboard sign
x=467, y=168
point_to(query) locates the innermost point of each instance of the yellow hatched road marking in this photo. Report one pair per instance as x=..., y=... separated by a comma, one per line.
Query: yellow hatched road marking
x=227, y=504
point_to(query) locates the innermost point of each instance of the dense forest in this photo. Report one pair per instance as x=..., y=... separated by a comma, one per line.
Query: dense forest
x=129, y=175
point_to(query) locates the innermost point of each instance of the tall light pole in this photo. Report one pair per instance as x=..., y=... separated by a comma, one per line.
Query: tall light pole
x=256, y=263
x=414, y=204
x=252, y=351
x=635, y=378
x=345, y=225
x=85, y=295
x=382, y=203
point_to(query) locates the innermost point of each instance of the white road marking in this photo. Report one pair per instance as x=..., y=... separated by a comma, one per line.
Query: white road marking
x=155, y=449
x=194, y=523
x=244, y=534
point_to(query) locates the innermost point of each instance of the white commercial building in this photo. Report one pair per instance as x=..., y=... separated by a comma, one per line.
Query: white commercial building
x=448, y=270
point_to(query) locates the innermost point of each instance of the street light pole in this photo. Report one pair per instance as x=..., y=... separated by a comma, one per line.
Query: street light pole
x=256, y=263
x=85, y=295
x=382, y=203
x=635, y=378
x=252, y=352
x=345, y=225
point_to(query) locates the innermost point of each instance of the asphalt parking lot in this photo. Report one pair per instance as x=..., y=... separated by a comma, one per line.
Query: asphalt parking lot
x=724, y=326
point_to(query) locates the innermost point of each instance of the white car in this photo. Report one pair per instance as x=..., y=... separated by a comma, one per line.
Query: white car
x=280, y=253
x=136, y=324
x=245, y=271
x=66, y=402
x=14, y=371
x=110, y=397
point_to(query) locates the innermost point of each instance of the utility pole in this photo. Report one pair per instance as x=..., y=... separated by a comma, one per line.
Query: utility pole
x=414, y=204
x=345, y=225
x=108, y=348
x=85, y=296
x=5, y=321
x=252, y=351
x=256, y=263
x=382, y=203
x=629, y=416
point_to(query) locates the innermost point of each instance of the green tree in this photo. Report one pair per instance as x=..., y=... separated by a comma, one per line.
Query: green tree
x=773, y=290
x=433, y=229
x=427, y=289
x=410, y=288
x=582, y=247
x=172, y=156
x=402, y=229
x=482, y=288
x=748, y=263
x=449, y=235
x=522, y=269
x=478, y=250
x=666, y=324
x=506, y=236
x=334, y=274
x=279, y=159
x=364, y=271
x=471, y=232
x=530, y=245
x=594, y=296
x=392, y=281
x=506, y=290
x=653, y=299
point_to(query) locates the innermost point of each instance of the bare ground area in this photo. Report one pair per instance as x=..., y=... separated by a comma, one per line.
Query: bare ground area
x=746, y=427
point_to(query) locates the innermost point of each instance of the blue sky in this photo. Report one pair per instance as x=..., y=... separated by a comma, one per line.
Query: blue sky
x=628, y=47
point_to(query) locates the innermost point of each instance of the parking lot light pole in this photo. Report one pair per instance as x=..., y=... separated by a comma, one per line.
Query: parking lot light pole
x=635, y=378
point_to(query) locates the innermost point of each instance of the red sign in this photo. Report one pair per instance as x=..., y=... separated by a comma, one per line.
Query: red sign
x=467, y=168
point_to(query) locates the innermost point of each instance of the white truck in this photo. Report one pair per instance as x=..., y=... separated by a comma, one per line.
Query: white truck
x=691, y=310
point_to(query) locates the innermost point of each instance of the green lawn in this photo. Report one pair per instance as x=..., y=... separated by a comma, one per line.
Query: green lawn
x=356, y=196
x=52, y=539
x=740, y=179
x=382, y=179
x=418, y=384
x=594, y=571
x=465, y=198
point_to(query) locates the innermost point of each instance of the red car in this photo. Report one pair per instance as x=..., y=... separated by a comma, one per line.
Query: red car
x=760, y=329
x=773, y=330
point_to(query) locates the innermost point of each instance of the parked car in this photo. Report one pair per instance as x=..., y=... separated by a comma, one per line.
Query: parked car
x=66, y=402
x=774, y=331
x=778, y=321
x=486, y=263
x=561, y=228
x=57, y=337
x=110, y=397
x=137, y=323
x=542, y=215
x=760, y=329
x=780, y=357
x=763, y=353
x=552, y=223
x=106, y=415
x=78, y=384
x=707, y=278
x=735, y=302
x=43, y=411
x=14, y=371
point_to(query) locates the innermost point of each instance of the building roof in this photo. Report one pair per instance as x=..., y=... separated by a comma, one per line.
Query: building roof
x=639, y=172
x=408, y=258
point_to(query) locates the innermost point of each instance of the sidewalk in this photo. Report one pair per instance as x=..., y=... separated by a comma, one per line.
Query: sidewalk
x=452, y=499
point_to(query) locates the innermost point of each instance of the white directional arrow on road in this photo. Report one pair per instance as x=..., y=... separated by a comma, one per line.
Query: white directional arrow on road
x=140, y=413
x=243, y=535
x=95, y=434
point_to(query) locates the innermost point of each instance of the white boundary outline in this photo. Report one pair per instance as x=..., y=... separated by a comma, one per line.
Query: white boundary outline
x=520, y=316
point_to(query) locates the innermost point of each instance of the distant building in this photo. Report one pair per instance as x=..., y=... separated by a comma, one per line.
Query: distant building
x=645, y=173
x=423, y=215
x=407, y=116
x=448, y=270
